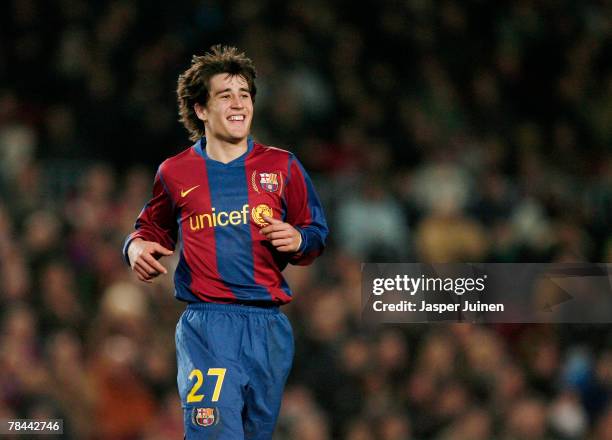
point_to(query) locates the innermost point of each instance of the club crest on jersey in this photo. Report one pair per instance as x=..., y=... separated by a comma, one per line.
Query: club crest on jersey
x=205, y=416
x=269, y=182
x=258, y=213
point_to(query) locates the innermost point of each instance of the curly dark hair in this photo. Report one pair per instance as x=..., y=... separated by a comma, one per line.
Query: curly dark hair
x=193, y=84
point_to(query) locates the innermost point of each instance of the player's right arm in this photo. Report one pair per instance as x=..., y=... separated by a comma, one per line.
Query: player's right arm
x=143, y=259
x=155, y=234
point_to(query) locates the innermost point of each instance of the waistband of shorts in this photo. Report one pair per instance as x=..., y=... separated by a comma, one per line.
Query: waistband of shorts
x=257, y=307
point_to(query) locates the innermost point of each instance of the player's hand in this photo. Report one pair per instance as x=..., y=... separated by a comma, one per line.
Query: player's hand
x=143, y=257
x=283, y=236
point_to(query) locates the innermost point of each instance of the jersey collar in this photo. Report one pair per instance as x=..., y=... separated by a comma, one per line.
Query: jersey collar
x=200, y=148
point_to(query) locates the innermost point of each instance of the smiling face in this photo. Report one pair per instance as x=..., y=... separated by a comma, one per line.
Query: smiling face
x=228, y=113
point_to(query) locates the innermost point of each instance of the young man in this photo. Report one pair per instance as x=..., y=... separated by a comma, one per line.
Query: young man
x=241, y=212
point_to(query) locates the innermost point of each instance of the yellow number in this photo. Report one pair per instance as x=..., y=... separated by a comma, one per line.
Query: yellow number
x=192, y=396
x=220, y=373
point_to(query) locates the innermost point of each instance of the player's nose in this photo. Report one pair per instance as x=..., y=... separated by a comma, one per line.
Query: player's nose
x=236, y=102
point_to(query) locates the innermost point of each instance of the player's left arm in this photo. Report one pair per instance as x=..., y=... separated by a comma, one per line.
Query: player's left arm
x=304, y=230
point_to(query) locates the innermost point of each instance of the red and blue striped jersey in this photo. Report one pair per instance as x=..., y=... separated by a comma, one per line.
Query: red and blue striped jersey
x=214, y=212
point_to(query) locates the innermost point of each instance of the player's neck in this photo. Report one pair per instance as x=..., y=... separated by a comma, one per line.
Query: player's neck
x=223, y=151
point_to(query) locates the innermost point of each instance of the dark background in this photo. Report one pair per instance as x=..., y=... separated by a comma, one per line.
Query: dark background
x=435, y=131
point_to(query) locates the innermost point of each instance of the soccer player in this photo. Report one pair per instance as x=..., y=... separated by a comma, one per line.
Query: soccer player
x=240, y=212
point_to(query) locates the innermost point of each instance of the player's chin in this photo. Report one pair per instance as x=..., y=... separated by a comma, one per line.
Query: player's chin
x=237, y=137
x=239, y=131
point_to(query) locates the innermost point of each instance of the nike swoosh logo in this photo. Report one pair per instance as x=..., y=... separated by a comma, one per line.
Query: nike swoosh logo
x=184, y=193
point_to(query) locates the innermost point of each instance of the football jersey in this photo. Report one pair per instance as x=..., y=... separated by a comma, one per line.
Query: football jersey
x=215, y=210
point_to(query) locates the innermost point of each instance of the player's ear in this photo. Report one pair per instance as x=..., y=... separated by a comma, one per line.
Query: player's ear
x=200, y=111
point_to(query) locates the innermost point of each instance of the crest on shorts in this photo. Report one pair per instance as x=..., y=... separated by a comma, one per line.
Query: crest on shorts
x=269, y=182
x=205, y=416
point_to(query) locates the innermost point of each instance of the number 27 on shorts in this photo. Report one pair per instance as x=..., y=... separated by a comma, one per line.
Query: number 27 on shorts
x=193, y=395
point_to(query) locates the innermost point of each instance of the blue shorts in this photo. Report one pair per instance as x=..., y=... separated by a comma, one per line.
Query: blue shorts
x=233, y=361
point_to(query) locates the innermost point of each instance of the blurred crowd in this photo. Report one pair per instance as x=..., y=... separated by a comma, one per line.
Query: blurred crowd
x=435, y=131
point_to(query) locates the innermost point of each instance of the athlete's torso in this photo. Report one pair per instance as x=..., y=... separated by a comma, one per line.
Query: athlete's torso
x=219, y=211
